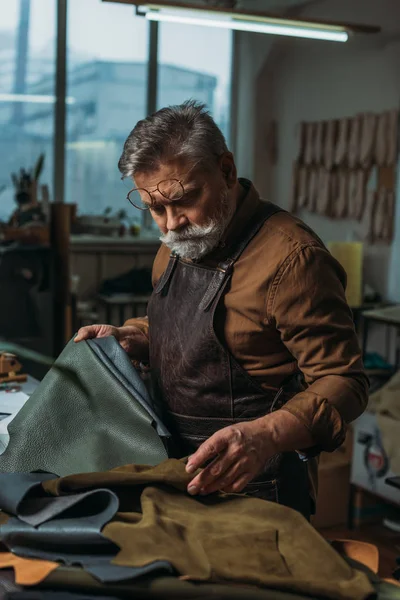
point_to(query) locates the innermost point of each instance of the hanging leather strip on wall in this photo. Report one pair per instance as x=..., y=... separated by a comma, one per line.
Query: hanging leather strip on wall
x=301, y=141
x=330, y=144
x=353, y=156
x=360, y=193
x=342, y=142
x=381, y=142
x=341, y=208
x=368, y=128
x=312, y=189
x=310, y=139
x=319, y=142
x=333, y=194
x=324, y=191
x=302, y=187
x=368, y=216
x=352, y=194
x=393, y=118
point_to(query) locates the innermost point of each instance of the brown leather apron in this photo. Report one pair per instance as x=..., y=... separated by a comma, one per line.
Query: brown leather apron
x=202, y=386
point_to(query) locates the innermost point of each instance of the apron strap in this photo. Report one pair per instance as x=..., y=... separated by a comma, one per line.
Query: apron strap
x=166, y=276
x=225, y=268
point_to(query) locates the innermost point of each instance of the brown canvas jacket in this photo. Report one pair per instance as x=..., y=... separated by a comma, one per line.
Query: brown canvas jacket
x=286, y=310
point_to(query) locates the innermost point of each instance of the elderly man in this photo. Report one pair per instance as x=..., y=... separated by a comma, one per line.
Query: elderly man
x=248, y=332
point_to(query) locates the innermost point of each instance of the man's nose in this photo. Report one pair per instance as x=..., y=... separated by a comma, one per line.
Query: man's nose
x=175, y=220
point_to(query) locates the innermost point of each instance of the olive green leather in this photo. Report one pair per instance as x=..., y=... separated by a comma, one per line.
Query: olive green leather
x=90, y=423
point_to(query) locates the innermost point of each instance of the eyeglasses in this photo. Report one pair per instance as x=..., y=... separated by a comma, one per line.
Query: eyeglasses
x=170, y=189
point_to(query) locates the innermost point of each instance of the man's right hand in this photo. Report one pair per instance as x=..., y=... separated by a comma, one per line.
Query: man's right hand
x=131, y=338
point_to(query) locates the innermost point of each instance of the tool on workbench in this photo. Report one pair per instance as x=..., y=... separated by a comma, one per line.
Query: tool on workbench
x=9, y=368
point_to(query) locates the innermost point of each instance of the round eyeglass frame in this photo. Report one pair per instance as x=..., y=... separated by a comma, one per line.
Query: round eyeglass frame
x=157, y=189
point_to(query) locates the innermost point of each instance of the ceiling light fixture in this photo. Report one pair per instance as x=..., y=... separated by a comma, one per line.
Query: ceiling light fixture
x=314, y=33
x=171, y=11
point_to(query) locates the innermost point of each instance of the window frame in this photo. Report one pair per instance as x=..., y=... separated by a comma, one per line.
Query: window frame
x=151, y=94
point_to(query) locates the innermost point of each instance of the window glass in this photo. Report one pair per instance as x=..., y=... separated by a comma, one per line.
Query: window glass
x=195, y=62
x=107, y=89
x=27, y=81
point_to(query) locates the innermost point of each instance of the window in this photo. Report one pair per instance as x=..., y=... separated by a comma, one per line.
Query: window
x=27, y=78
x=195, y=62
x=107, y=90
x=107, y=64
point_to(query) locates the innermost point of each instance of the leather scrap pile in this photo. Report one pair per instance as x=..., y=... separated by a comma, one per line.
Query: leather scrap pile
x=336, y=167
x=135, y=528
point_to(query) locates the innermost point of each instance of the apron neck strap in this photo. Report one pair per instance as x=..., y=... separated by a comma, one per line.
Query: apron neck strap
x=225, y=267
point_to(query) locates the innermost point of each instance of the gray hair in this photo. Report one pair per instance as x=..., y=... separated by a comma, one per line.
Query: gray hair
x=185, y=131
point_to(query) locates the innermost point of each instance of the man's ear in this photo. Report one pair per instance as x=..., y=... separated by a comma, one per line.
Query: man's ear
x=228, y=168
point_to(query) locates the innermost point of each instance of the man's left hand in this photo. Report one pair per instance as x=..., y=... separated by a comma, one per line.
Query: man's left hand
x=235, y=455
x=238, y=453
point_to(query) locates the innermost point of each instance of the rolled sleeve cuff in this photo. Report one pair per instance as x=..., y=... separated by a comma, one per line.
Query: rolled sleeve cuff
x=141, y=323
x=323, y=421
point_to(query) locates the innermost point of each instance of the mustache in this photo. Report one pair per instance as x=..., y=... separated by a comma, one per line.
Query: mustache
x=190, y=232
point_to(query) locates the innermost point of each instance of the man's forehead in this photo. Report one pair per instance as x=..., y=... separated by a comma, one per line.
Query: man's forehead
x=181, y=171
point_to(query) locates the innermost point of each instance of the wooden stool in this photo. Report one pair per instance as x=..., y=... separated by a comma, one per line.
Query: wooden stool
x=121, y=302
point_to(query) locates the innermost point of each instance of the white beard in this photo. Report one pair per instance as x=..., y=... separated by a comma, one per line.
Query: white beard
x=195, y=241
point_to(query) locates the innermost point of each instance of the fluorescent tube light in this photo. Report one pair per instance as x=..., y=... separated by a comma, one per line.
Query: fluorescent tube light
x=338, y=34
x=35, y=98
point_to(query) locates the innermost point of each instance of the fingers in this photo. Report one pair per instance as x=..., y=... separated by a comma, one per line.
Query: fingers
x=86, y=333
x=238, y=485
x=228, y=480
x=93, y=331
x=228, y=462
x=208, y=450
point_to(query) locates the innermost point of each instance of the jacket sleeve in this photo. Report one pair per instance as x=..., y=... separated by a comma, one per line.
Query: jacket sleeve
x=308, y=307
x=141, y=323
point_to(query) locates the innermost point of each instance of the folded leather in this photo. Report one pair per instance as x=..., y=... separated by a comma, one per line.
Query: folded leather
x=102, y=418
x=66, y=528
x=63, y=529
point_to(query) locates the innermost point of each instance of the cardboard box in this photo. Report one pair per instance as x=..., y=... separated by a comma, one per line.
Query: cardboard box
x=334, y=486
x=333, y=491
x=370, y=464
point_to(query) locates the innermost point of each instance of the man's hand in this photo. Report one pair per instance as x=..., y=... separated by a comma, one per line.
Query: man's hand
x=131, y=338
x=239, y=453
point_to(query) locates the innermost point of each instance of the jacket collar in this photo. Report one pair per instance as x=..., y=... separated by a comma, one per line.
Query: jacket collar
x=245, y=210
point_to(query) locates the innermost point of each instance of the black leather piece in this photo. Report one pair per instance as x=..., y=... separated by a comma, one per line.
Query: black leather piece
x=21, y=495
x=113, y=573
x=70, y=541
x=117, y=361
x=73, y=537
x=7, y=583
x=15, y=487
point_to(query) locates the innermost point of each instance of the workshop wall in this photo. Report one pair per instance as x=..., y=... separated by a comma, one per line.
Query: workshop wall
x=310, y=81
